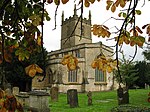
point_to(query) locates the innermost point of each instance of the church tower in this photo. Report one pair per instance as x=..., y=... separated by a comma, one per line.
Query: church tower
x=71, y=34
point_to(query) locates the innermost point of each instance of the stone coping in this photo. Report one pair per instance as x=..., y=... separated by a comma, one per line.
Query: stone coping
x=38, y=93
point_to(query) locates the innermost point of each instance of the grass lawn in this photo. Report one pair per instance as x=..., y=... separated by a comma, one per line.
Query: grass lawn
x=102, y=101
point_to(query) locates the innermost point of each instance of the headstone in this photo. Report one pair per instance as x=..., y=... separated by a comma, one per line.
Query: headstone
x=72, y=94
x=89, y=94
x=120, y=95
x=8, y=92
x=123, y=96
x=54, y=94
x=15, y=90
x=126, y=96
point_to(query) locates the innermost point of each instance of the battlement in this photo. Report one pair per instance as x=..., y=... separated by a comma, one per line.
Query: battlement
x=76, y=17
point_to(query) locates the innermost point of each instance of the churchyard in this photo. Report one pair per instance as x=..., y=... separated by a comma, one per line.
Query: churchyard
x=73, y=101
x=101, y=101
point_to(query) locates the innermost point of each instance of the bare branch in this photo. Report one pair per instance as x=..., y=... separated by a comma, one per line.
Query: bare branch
x=55, y=17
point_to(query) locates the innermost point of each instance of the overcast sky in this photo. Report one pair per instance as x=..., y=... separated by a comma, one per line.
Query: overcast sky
x=99, y=16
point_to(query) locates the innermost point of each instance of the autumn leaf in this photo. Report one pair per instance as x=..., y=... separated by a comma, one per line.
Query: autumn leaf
x=70, y=61
x=122, y=3
x=138, y=29
x=39, y=39
x=104, y=64
x=113, y=8
x=86, y=3
x=49, y=1
x=64, y=1
x=32, y=69
x=100, y=30
x=109, y=3
x=92, y=1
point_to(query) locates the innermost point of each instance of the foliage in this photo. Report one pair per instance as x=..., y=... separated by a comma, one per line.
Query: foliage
x=146, y=54
x=104, y=64
x=70, y=61
x=102, y=101
x=15, y=71
x=20, y=33
x=143, y=73
x=128, y=72
x=129, y=108
x=8, y=103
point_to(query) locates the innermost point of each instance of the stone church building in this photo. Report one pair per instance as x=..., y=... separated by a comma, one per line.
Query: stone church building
x=79, y=43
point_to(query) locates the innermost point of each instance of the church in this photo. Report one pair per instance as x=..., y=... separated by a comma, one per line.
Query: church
x=76, y=39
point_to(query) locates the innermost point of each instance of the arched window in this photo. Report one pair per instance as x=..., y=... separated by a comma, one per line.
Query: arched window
x=72, y=76
x=100, y=75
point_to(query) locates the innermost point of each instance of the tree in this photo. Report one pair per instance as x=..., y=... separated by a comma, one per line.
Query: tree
x=146, y=54
x=20, y=36
x=128, y=72
x=143, y=73
x=15, y=72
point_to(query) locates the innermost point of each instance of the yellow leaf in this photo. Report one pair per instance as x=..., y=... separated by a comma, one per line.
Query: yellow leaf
x=71, y=66
x=117, y=3
x=94, y=64
x=100, y=65
x=39, y=40
x=109, y=69
x=109, y=3
x=122, y=3
x=113, y=8
x=38, y=69
x=32, y=72
x=92, y=1
x=65, y=60
x=27, y=69
x=86, y=3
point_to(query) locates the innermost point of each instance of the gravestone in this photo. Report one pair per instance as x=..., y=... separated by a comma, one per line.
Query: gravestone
x=8, y=92
x=15, y=90
x=72, y=96
x=89, y=94
x=120, y=95
x=54, y=94
x=123, y=96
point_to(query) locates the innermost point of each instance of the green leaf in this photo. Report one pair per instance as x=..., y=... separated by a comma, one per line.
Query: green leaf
x=138, y=12
x=124, y=15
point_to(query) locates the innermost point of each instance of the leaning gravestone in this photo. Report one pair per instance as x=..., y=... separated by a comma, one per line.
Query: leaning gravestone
x=72, y=96
x=54, y=94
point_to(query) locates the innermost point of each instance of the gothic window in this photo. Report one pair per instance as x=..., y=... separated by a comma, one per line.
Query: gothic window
x=72, y=76
x=99, y=75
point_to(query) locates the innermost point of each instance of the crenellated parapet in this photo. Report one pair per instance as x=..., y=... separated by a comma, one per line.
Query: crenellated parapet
x=76, y=17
